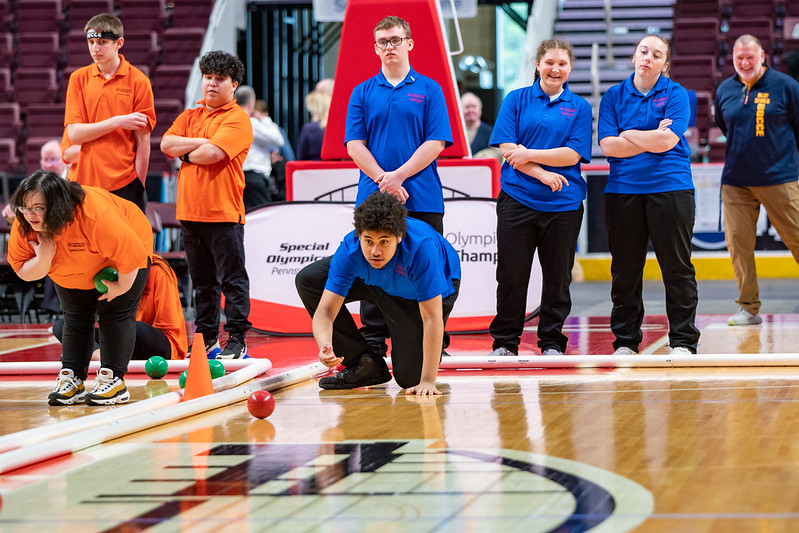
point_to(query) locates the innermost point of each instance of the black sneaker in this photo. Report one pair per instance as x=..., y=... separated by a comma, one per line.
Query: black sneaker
x=364, y=372
x=234, y=349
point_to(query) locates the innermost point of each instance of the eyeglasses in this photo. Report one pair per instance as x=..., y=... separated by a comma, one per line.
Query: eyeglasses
x=35, y=211
x=394, y=42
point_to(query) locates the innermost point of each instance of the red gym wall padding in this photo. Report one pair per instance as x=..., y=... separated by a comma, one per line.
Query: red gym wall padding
x=357, y=62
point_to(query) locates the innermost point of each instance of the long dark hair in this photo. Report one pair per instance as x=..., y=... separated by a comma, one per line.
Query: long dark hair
x=62, y=200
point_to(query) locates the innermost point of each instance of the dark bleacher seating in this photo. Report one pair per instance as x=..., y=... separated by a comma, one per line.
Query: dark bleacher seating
x=141, y=48
x=192, y=14
x=696, y=8
x=166, y=110
x=697, y=72
x=41, y=49
x=762, y=28
x=77, y=49
x=181, y=45
x=7, y=50
x=9, y=161
x=6, y=88
x=144, y=15
x=45, y=120
x=169, y=81
x=81, y=11
x=696, y=36
x=750, y=8
x=35, y=86
x=35, y=16
x=10, y=120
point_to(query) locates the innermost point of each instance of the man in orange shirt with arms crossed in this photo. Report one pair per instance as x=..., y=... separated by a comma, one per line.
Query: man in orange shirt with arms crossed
x=110, y=113
x=212, y=141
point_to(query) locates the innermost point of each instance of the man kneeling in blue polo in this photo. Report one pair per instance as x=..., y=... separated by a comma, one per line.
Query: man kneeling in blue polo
x=409, y=271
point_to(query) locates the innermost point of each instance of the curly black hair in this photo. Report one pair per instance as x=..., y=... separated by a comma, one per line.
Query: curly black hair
x=381, y=212
x=62, y=200
x=222, y=64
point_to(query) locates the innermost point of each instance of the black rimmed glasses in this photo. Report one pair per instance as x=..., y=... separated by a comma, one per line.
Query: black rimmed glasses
x=394, y=42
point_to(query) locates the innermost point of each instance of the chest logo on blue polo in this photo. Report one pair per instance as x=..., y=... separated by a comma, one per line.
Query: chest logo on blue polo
x=399, y=269
x=659, y=102
x=418, y=98
x=567, y=111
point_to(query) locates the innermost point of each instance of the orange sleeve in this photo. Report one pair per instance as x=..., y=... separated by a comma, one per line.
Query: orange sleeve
x=179, y=125
x=19, y=250
x=74, y=112
x=143, y=100
x=234, y=135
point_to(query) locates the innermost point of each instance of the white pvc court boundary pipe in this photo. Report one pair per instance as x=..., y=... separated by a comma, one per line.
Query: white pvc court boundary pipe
x=134, y=367
x=32, y=436
x=468, y=362
x=74, y=442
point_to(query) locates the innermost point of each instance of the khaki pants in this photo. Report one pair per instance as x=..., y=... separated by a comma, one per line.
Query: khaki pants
x=741, y=209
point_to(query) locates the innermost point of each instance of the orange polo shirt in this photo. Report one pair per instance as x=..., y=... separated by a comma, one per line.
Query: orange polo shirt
x=214, y=193
x=108, y=161
x=107, y=231
x=160, y=307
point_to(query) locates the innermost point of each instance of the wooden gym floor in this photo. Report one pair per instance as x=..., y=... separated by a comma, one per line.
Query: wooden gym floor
x=663, y=449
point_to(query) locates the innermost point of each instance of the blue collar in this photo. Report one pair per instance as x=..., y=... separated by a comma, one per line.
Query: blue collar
x=410, y=78
x=538, y=92
x=629, y=86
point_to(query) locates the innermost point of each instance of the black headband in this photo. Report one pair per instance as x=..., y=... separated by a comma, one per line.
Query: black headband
x=93, y=34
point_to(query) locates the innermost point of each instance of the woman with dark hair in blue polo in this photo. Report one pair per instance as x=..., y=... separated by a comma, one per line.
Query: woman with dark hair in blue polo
x=544, y=133
x=649, y=196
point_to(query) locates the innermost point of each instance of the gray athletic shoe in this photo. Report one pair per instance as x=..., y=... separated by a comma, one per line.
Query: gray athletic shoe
x=742, y=317
x=501, y=352
x=624, y=350
x=551, y=351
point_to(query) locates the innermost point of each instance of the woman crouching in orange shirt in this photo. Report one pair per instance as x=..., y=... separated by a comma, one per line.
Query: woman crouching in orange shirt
x=70, y=233
x=160, y=324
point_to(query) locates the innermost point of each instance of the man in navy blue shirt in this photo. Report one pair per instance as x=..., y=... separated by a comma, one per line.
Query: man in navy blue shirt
x=404, y=267
x=758, y=111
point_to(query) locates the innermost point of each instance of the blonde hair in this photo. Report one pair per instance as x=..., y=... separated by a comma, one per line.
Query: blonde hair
x=318, y=104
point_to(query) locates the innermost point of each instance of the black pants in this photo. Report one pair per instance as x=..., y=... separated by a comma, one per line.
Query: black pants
x=256, y=189
x=215, y=253
x=117, y=320
x=520, y=232
x=667, y=219
x=149, y=340
x=134, y=191
x=403, y=320
x=374, y=327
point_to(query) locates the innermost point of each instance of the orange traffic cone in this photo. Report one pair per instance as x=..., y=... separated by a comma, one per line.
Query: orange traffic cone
x=198, y=376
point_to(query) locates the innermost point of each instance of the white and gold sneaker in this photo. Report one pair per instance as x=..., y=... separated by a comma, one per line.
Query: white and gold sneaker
x=69, y=390
x=108, y=389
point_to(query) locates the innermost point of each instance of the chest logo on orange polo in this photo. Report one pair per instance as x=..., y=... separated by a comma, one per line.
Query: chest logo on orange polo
x=123, y=91
x=77, y=246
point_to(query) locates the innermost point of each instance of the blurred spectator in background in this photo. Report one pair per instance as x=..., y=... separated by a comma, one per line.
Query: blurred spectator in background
x=267, y=138
x=477, y=131
x=279, y=157
x=312, y=133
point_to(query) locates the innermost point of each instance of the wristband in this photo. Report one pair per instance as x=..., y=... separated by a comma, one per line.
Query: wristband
x=185, y=158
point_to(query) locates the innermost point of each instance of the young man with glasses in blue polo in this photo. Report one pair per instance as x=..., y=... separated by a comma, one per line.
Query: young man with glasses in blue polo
x=397, y=125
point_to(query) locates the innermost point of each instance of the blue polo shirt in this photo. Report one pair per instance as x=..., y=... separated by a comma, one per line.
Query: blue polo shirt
x=422, y=268
x=623, y=107
x=763, y=133
x=394, y=122
x=528, y=117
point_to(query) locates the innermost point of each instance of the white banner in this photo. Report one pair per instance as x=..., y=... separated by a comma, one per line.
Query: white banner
x=281, y=239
